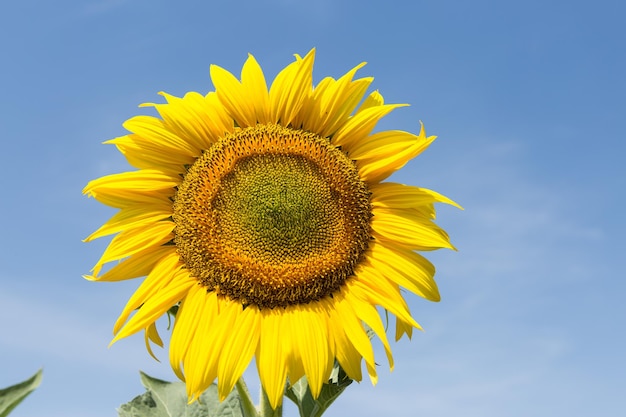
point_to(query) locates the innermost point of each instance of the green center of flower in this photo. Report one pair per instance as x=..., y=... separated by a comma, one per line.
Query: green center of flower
x=267, y=207
x=272, y=216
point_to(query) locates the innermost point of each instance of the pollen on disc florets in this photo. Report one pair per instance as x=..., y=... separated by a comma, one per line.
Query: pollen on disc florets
x=272, y=216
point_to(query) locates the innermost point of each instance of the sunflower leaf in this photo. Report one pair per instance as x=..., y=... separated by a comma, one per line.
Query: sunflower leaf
x=300, y=393
x=11, y=396
x=169, y=399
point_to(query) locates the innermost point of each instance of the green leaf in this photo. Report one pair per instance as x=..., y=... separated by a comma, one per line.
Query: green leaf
x=169, y=399
x=10, y=397
x=300, y=393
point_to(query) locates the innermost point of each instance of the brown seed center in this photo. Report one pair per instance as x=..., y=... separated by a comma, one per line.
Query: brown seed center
x=272, y=216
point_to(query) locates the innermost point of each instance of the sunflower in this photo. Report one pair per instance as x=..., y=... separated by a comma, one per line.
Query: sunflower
x=263, y=214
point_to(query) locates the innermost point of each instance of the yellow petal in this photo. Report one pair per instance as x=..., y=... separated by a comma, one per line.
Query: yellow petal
x=189, y=314
x=133, y=216
x=238, y=348
x=233, y=96
x=137, y=265
x=402, y=328
x=373, y=100
x=380, y=290
x=194, y=118
x=133, y=186
x=253, y=81
x=130, y=242
x=367, y=312
x=376, y=168
x=345, y=352
x=406, y=268
x=409, y=228
x=345, y=314
x=152, y=335
x=384, y=144
x=349, y=360
x=160, y=277
x=309, y=331
x=343, y=101
x=332, y=102
x=199, y=362
x=156, y=306
x=356, y=129
x=394, y=195
x=144, y=153
x=290, y=89
x=157, y=131
x=271, y=356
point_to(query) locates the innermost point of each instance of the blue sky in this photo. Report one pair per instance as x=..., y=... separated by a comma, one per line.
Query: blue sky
x=527, y=98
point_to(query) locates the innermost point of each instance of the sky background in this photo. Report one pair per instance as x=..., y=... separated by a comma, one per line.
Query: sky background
x=528, y=100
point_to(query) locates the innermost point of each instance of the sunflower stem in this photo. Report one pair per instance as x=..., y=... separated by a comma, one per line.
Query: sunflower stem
x=249, y=409
x=266, y=409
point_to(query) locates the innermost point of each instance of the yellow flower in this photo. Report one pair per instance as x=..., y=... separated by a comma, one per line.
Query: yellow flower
x=263, y=213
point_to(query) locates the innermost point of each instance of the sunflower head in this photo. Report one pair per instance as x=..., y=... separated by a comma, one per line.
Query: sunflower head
x=264, y=214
